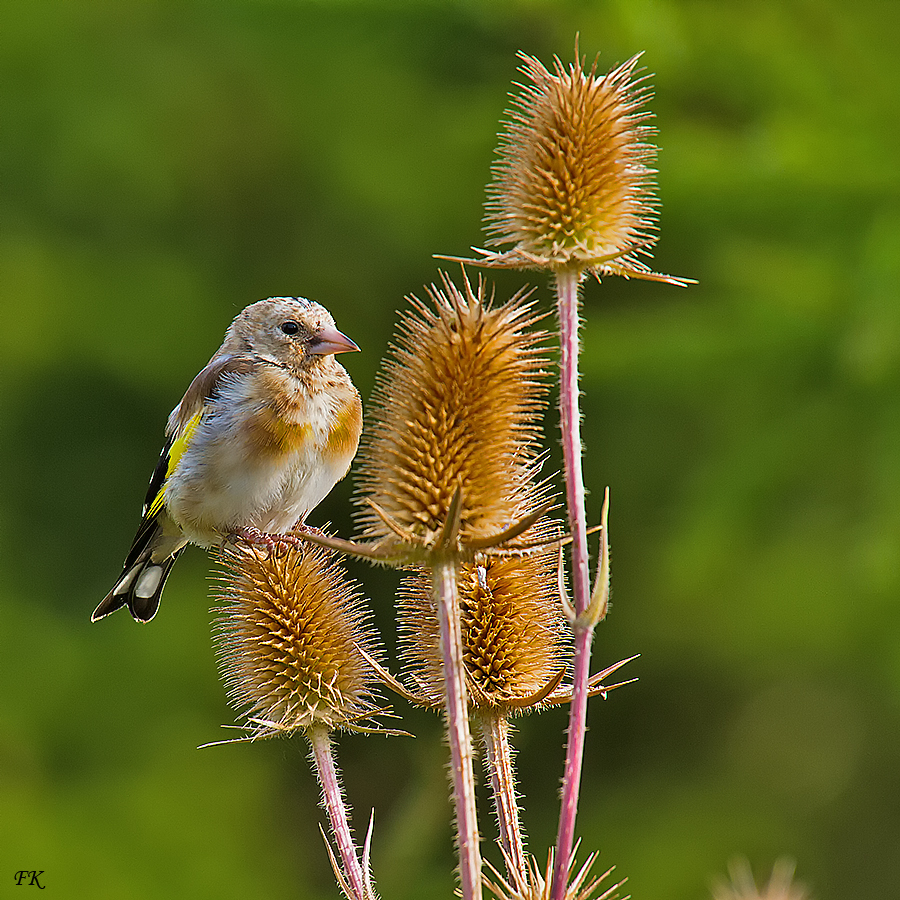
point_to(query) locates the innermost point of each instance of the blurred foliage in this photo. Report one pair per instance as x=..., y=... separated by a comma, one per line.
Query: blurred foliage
x=163, y=164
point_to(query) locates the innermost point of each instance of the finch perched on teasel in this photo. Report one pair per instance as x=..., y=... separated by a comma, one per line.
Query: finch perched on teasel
x=263, y=433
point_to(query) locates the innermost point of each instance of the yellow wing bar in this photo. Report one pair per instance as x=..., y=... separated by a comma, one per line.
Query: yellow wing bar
x=179, y=445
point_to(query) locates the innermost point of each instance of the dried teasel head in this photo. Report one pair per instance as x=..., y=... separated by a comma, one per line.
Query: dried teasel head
x=513, y=631
x=574, y=187
x=534, y=883
x=289, y=626
x=781, y=884
x=455, y=413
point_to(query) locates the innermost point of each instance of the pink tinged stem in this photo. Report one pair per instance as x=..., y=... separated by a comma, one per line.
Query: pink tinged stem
x=570, y=426
x=456, y=711
x=326, y=770
x=498, y=759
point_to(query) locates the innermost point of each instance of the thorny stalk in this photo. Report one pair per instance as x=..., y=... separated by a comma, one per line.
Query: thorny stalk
x=333, y=801
x=570, y=425
x=456, y=710
x=498, y=760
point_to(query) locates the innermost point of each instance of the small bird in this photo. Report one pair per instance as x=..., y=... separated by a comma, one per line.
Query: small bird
x=261, y=436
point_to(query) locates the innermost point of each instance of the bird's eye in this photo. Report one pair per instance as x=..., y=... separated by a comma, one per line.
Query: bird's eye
x=289, y=327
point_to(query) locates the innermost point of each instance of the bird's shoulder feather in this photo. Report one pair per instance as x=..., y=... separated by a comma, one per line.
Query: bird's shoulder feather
x=205, y=387
x=183, y=422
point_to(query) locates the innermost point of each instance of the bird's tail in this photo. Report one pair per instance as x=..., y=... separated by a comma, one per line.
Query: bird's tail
x=139, y=586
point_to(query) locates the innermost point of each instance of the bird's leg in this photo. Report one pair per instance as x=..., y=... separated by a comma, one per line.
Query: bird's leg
x=254, y=536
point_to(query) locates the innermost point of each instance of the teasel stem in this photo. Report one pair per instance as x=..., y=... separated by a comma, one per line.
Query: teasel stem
x=319, y=739
x=446, y=598
x=498, y=760
x=570, y=425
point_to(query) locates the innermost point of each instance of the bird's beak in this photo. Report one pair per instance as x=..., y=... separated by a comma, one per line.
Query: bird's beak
x=330, y=340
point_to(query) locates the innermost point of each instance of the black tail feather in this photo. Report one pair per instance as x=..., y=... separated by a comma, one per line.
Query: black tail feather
x=139, y=587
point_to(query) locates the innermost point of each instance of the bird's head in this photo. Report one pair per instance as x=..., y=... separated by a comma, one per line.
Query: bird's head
x=289, y=331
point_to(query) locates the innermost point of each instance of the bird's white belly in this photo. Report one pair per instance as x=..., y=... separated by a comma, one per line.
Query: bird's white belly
x=223, y=483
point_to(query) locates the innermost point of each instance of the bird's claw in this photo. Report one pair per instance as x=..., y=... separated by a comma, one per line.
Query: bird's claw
x=255, y=537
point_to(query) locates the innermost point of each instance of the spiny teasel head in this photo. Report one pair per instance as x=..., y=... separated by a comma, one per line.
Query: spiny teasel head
x=534, y=883
x=513, y=634
x=456, y=409
x=781, y=884
x=574, y=187
x=289, y=627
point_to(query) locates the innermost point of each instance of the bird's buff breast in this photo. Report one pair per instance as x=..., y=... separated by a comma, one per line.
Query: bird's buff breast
x=264, y=458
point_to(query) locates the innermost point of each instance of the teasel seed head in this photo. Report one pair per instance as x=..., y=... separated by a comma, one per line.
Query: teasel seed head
x=781, y=884
x=456, y=410
x=513, y=631
x=574, y=187
x=289, y=626
x=535, y=883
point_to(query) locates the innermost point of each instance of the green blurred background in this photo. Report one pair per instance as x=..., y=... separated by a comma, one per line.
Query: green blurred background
x=162, y=164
